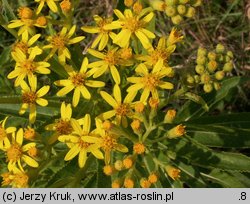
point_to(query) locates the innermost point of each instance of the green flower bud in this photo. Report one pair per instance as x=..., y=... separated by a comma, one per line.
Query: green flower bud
x=190, y=79
x=228, y=67
x=171, y=2
x=211, y=56
x=199, y=69
x=196, y=3
x=219, y=75
x=190, y=12
x=197, y=79
x=220, y=58
x=205, y=78
x=217, y=86
x=202, y=51
x=170, y=11
x=201, y=60
x=118, y=165
x=212, y=66
x=177, y=19
x=182, y=9
x=230, y=54
x=208, y=88
x=220, y=48
x=227, y=58
x=158, y=5
x=183, y=1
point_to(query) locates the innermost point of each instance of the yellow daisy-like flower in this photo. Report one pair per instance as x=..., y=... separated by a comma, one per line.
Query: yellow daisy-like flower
x=16, y=152
x=59, y=42
x=161, y=52
x=150, y=81
x=31, y=97
x=78, y=81
x=121, y=110
x=27, y=66
x=4, y=132
x=103, y=34
x=132, y=24
x=108, y=142
x=174, y=37
x=25, y=44
x=15, y=178
x=78, y=143
x=63, y=125
x=51, y=4
x=109, y=61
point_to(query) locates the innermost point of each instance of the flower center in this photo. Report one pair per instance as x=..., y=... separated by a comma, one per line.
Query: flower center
x=150, y=81
x=108, y=143
x=132, y=24
x=158, y=54
x=110, y=58
x=83, y=145
x=65, y=5
x=14, y=153
x=42, y=21
x=21, y=180
x=63, y=127
x=29, y=66
x=78, y=79
x=102, y=23
x=123, y=109
x=29, y=97
x=22, y=46
x=2, y=134
x=29, y=133
x=125, y=53
x=25, y=13
x=32, y=152
x=58, y=41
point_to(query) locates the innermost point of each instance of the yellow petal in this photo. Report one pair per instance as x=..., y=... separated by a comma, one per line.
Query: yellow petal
x=68, y=139
x=103, y=41
x=76, y=126
x=141, y=68
x=52, y=5
x=32, y=115
x=82, y=158
x=121, y=148
x=143, y=39
x=76, y=40
x=117, y=93
x=166, y=85
x=65, y=90
x=86, y=123
x=42, y=102
x=90, y=29
x=107, y=115
x=28, y=146
x=145, y=95
x=84, y=65
x=95, y=84
x=42, y=91
x=115, y=74
x=130, y=97
x=97, y=153
x=109, y=99
x=72, y=153
x=76, y=97
x=85, y=93
x=96, y=53
x=122, y=38
x=28, y=160
x=97, y=40
x=19, y=137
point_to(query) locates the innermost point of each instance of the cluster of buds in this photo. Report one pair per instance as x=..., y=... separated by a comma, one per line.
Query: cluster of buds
x=177, y=10
x=211, y=67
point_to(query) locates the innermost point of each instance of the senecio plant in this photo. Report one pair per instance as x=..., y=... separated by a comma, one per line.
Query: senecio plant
x=116, y=114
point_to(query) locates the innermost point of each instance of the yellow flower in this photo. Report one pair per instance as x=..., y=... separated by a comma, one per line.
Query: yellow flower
x=51, y=4
x=16, y=152
x=25, y=44
x=4, y=132
x=27, y=66
x=176, y=131
x=132, y=25
x=29, y=133
x=103, y=34
x=108, y=60
x=78, y=81
x=31, y=97
x=161, y=52
x=59, y=42
x=78, y=144
x=108, y=142
x=63, y=125
x=173, y=172
x=121, y=109
x=174, y=37
x=149, y=82
x=16, y=178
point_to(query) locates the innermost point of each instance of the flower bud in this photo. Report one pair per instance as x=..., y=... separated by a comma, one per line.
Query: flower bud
x=129, y=183
x=29, y=133
x=190, y=12
x=228, y=67
x=153, y=102
x=32, y=152
x=144, y=183
x=199, y=69
x=212, y=66
x=230, y=54
x=171, y=2
x=170, y=115
x=173, y=172
x=177, y=19
x=128, y=162
x=201, y=60
x=217, y=86
x=25, y=13
x=128, y=3
x=66, y=6
x=139, y=107
x=116, y=184
x=137, y=7
x=170, y=11
x=176, y=131
x=158, y=5
x=190, y=80
x=202, y=51
x=181, y=9
x=118, y=165
x=153, y=178
x=136, y=124
x=219, y=75
x=220, y=48
x=139, y=148
x=196, y=3
x=211, y=56
x=183, y=1
x=107, y=125
x=197, y=79
x=208, y=87
x=41, y=21
x=108, y=170
x=205, y=78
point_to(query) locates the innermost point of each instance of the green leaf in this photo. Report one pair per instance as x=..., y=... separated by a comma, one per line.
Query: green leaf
x=220, y=136
x=191, y=110
x=8, y=11
x=197, y=99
